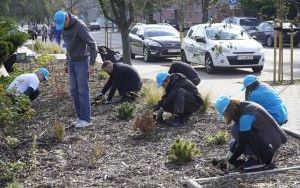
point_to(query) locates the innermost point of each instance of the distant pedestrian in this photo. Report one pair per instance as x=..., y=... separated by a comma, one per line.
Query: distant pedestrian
x=81, y=57
x=28, y=84
x=187, y=70
x=52, y=32
x=57, y=35
x=267, y=97
x=44, y=32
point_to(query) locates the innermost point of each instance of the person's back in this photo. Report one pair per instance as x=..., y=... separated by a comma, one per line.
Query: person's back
x=264, y=124
x=187, y=70
x=264, y=95
x=127, y=72
x=178, y=80
x=22, y=82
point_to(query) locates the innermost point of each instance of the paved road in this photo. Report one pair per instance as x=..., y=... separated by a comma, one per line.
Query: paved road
x=230, y=82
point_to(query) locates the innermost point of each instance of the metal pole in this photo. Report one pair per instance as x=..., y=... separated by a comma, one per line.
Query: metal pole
x=275, y=54
x=292, y=54
x=280, y=55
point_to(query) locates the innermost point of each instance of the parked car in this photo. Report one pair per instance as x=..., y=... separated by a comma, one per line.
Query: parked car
x=264, y=33
x=173, y=23
x=247, y=23
x=222, y=46
x=154, y=40
x=94, y=26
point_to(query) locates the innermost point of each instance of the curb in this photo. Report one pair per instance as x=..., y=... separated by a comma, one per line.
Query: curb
x=191, y=183
x=290, y=132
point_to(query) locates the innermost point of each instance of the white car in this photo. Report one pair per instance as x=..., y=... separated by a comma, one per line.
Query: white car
x=222, y=46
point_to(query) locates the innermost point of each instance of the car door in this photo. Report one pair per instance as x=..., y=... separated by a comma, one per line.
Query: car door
x=199, y=48
x=268, y=31
x=140, y=41
x=260, y=34
x=133, y=39
x=187, y=44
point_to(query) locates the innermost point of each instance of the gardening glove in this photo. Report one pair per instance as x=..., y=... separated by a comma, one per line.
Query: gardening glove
x=99, y=97
x=159, y=115
x=229, y=166
x=106, y=102
x=228, y=155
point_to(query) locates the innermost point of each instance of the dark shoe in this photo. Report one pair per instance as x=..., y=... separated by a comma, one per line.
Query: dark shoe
x=177, y=121
x=253, y=164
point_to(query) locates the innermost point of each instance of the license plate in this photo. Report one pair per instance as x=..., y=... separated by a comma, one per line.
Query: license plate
x=173, y=50
x=245, y=57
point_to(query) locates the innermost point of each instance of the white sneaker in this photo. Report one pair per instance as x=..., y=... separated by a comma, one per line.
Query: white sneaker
x=74, y=121
x=82, y=124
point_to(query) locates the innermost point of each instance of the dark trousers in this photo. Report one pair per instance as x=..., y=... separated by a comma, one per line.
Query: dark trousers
x=33, y=95
x=181, y=102
x=256, y=146
x=125, y=86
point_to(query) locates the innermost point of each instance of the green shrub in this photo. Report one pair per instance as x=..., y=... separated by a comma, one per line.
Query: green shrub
x=219, y=138
x=182, y=151
x=10, y=170
x=17, y=39
x=11, y=141
x=47, y=48
x=4, y=51
x=151, y=94
x=43, y=60
x=125, y=110
x=15, y=185
x=102, y=75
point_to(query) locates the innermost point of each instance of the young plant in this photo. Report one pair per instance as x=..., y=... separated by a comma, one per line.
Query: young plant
x=219, y=138
x=144, y=123
x=102, y=75
x=43, y=60
x=10, y=170
x=15, y=185
x=206, y=103
x=47, y=48
x=152, y=94
x=11, y=141
x=183, y=151
x=59, y=131
x=97, y=152
x=125, y=110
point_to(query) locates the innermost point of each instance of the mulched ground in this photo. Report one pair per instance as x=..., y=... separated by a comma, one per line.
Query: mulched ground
x=128, y=159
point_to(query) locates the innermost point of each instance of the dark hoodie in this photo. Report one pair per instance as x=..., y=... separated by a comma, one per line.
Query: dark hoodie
x=79, y=42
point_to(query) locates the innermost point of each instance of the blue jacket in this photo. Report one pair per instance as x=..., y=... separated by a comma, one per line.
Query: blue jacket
x=264, y=95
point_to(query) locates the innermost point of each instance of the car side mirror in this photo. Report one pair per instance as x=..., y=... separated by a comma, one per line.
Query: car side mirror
x=141, y=36
x=201, y=39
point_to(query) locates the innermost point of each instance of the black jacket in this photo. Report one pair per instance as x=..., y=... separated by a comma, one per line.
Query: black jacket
x=123, y=76
x=184, y=69
x=177, y=81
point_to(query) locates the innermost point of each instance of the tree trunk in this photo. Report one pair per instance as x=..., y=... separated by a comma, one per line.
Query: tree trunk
x=125, y=44
x=205, y=4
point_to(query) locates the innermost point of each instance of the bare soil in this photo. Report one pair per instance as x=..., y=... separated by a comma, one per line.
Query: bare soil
x=126, y=158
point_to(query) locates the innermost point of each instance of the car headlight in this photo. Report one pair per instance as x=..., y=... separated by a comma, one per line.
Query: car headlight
x=153, y=43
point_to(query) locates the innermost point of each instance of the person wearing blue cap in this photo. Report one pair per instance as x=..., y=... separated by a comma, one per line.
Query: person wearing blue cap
x=28, y=84
x=181, y=97
x=267, y=97
x=81, y=57
x=259, y=135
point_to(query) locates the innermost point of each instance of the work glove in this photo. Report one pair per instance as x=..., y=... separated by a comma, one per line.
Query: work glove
x=99, y=97
x=229, y=166
x=158, y=115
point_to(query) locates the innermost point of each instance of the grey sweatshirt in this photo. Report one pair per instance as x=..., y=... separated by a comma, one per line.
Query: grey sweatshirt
x=79, y=42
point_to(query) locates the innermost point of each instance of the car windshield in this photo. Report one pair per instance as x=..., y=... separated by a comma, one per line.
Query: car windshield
x=221, y=33
x=249, y=22
x=161, y=32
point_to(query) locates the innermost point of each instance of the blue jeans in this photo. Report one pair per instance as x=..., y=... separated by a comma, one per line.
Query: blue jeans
x=79, y=88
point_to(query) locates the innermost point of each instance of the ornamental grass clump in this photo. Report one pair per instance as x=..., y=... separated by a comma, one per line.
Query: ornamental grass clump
x=144, y=123
x=220, y=138
x=183, y=151
x=102, y=75
x=59, y=131
x=125, y=110
x=151, y=94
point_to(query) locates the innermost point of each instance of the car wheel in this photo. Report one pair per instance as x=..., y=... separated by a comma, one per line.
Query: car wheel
x=209, y=65
x=147, y=56
x=257, y=69
x=270, y=41
x=183, y=58
x=132, y=55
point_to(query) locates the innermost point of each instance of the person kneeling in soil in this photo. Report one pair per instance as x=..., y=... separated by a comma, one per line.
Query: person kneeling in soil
x=181, y=97
x=123, y=78
x=259, y=135
x=267, y=97
x=187, y=70
x=28, y=84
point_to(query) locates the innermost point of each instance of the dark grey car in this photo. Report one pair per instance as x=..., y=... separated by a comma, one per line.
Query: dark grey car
x=154, y=40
